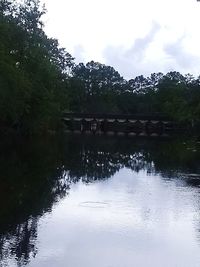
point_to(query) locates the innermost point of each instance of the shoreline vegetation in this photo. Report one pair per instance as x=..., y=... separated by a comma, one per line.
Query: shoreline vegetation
x=39, y=80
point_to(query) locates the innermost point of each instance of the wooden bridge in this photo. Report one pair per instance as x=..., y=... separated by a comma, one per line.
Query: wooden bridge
x=111, y=124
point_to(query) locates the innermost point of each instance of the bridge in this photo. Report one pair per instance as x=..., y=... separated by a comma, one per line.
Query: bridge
x=118, y=124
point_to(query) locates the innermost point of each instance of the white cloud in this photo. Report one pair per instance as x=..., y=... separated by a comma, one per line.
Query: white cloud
x=136, y=37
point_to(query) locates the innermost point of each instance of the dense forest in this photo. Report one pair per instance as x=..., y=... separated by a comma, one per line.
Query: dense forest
x=39, y=80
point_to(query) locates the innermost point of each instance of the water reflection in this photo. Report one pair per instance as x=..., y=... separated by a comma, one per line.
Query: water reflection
x=100, y=158
x=36, y=174
x=32, y=179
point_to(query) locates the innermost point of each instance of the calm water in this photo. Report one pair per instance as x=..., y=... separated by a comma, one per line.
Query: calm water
x=76, y=201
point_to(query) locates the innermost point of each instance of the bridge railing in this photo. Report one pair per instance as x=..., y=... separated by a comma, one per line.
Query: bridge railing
x=138, y=116
x=134, y=124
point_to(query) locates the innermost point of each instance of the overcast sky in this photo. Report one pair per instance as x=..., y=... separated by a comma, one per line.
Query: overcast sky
x=134, y=36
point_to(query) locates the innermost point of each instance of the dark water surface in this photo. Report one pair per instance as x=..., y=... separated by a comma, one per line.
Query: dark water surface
x=86, y=201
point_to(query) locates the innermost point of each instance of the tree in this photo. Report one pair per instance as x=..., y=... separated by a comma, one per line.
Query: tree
x=34, y=70
x=101, y=84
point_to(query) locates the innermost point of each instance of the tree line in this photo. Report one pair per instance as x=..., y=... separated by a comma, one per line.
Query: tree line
x=39, y=80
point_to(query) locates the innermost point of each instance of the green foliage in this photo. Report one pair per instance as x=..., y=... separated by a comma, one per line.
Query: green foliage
x=34, y=70
x=99, y=85
x=39, y=80
x=100, y=89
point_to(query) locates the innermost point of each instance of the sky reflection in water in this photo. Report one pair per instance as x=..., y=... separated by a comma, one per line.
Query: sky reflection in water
x=137, y=217
x=142, y=221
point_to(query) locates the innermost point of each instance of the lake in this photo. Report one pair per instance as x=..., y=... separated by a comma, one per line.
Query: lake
x=99, y=201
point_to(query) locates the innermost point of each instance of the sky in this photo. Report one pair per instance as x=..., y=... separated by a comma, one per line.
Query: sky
x=136, y=37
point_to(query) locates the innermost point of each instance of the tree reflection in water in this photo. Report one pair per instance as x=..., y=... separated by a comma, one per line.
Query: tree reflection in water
x=35, y=174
